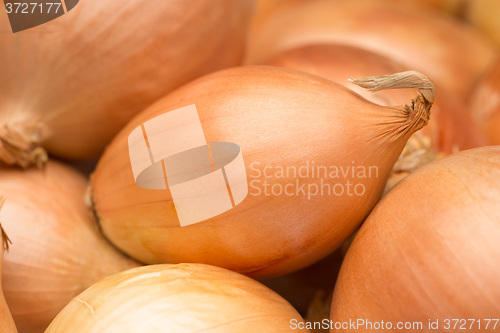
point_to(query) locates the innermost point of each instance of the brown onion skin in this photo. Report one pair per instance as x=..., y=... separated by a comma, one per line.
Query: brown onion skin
x=485, y=103
x=105, y=61
x=177, y=298
x=57, y=249
x=451, y=127
x=452, y=54
x=429, y=249
x=278, y=117
x=6, y=322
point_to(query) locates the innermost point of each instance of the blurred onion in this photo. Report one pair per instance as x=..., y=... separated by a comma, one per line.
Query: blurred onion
x=485, y=103
x=453, y=54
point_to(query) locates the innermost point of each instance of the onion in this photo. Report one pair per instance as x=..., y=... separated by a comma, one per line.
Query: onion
x=451, y=127
x=57, y=249
x=449, y=52
x=6, y=323
x=429, y=250
x=177, y=298
x=485, y=103
x=484, y=15
x=71, y=84
x=281, y=120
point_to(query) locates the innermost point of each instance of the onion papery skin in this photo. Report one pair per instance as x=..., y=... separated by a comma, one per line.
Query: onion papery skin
x=485, y=103
x=451, y=127
x=6, y=322
x=177, y=298
x=279, y=118
x=57, y=249
x=452, y=54
x=429, y=249
x=71, y=84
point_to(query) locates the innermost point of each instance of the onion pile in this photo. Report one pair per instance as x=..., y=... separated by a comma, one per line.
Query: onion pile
x=429, y=249
x=453, y=54
x=57, y=249
x=283, y=120
x=450, y=128
x=485, y=103
x=6, y=322
x=177, y=298
x=71, y=84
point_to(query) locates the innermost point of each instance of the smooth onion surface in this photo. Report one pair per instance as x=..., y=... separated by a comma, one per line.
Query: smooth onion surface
x=485, y=103
x=429, y=249
x=484, y=15
x=6, y=322
x=177, y=298
x=450, y=128
x=281, y=119
x=57, y=250
x=452, y=54
x=71, y=84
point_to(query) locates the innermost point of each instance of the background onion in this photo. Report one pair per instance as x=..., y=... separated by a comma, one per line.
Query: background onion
x=72, y=83
x=453, y=54
x=429, y=249
x=484, y=15
x=450, y=128
x=264, y=7
x=57, y=250
x=279, y=118
x=177, y=298
x=485, y=103
x=6, y=322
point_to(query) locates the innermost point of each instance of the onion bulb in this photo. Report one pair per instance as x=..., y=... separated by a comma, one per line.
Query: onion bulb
x=6, y=322
x=177, y=298
x=429, y=250
x=70, y=85
x=57, y=249
x=283, y=121
x=449, y=52
x=485, y=103
x=450, y=128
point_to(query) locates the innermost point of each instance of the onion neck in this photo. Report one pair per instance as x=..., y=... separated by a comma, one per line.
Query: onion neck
x=416, y=114
x=20, y=145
